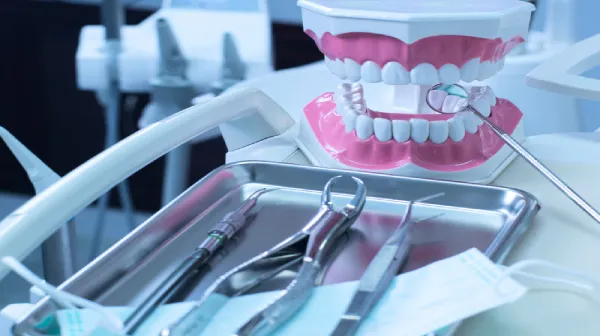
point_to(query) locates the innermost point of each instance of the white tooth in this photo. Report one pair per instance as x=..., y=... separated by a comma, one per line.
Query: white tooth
x=471, y=122
x=419, y=130
x=450, y=103
x=501, y=64
x=401, y=130
x=456, y=128
x=394, y=74
x=449, y=74
x=438, y=131
x=470, y=70
x=436, y=98
x=349, y=121
x=483, y=106
x=364, y=127
x=490, y=96
x=339, y=69
x=424, y=74
x=330, y=64
x=383, y=129
x=352, y=70
x=486, y=70
x=370, y=72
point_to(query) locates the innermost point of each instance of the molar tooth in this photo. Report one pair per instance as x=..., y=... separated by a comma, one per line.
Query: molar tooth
x=486, y=70
x=490, y=96
x=370, y=72
x=449, y=74
x=394, y=74
x=364, y=127
x=383, y=129
x=456, y=128
x=482, y=105
x=470, y=71
x=450, y=103
x=501, y=64
x=330, y=64
x=424, y=74
x=349, y=121
x=352, y=70
x=438, y=131
x=419, y=130
x=471, y=122
x=339, y=69
x=401, y=130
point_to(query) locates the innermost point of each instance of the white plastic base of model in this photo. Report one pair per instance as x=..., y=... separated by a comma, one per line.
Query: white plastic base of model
x=562, y=72
x=543, y=111
x=21, y=232
x=410, y=20
x=200, y=35
x=10, y=315
x=484, y=173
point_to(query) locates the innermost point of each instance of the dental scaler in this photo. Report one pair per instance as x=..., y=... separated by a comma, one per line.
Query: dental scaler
x=181, y=277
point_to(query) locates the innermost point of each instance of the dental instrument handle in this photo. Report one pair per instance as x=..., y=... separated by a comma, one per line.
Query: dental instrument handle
x=562, y=186
x=181, y=277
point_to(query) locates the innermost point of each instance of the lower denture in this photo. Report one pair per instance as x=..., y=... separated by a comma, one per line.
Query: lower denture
x=347, y=148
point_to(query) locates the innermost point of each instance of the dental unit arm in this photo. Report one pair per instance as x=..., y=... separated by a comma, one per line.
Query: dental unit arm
x=31, y=224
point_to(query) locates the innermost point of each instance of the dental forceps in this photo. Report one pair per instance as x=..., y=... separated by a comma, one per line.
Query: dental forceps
x=310, y=246
x=380, y=273
x=478, y=93
x=185, y=273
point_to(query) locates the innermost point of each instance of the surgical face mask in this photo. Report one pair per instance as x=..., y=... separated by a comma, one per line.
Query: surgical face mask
x=82, y=317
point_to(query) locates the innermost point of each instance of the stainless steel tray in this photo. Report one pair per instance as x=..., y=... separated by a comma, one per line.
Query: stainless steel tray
x=492, y=219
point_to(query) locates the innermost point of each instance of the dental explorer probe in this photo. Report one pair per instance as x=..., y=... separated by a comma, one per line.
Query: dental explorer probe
x=186, y=271
x=478, y=93
x=379, y=274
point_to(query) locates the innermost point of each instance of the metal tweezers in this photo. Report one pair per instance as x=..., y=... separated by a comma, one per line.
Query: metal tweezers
x=311, y=246
x=379, y=274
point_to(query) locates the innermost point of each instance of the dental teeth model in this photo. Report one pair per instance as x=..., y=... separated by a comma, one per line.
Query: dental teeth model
x=387, y=55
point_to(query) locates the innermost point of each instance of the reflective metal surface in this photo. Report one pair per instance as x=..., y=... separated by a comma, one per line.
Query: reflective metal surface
x=490, y=218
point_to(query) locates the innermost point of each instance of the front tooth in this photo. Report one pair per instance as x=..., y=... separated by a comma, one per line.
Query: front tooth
x=449, y=74
x=364, y=127
x=401, y=130
x=456, y=128
x=419, y=130
x=349, y=121
x=470, y=71
x=471, y=122
x=370, y=72
x=352, y=70
x=486, y=70
x=339, y=69
x=383, y=129
x=482, y=105
x=394, y=74
x=438, y=131
x=424, y=74
x=437, y=98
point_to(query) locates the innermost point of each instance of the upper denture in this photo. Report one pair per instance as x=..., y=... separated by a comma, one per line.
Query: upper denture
x=434, y=50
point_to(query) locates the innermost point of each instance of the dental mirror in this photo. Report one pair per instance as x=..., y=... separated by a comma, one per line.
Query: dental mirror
x=466, y=105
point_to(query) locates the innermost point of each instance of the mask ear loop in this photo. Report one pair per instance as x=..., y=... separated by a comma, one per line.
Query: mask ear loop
x=589, y=285
x=65, y=299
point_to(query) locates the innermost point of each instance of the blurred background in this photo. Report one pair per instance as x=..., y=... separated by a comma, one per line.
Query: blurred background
x=64, y=126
